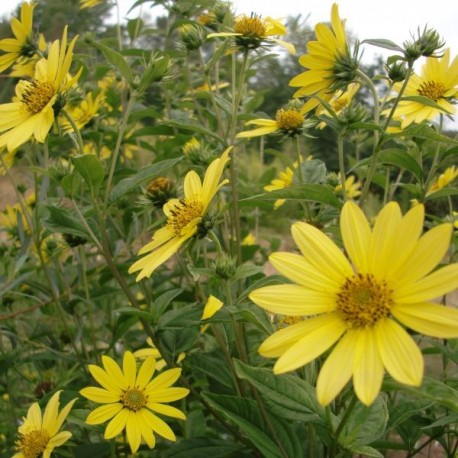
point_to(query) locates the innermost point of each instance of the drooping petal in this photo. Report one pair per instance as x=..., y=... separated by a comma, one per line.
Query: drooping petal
x=312, y=345
x=429, y=319
x=400, y=355
x=337, y=369
x=294, y=300
x=368, y=368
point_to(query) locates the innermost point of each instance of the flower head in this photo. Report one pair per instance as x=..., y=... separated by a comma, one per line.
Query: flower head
x=330, y=65
x=131, y=397
x=352, y=189
x=23, y=46
x=84, y=112
x=444, y=179
x=185, y=217
x=357, y=306
x=39, y=435
x=438, y=83
x=38, y=101
x=252, y=32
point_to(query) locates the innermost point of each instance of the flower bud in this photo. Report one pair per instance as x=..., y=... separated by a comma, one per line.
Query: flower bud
x=159, y=191
x=397, y=71
x=225, y=266
x=192, y=36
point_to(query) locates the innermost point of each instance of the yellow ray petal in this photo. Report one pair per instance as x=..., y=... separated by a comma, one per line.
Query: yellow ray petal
x=103, y=413
x=159, y=426
x=100, y=395
x=133, y=431
x=164, y=380
x=167, y=410
x=104, y=379
x=129, y=368
x=116, y=424
x=167, y=394
x=146, y=372
x=192, y=185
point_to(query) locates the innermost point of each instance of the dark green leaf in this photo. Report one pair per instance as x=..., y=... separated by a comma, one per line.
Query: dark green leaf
x=311, y=172
x=90, y=168
x=199, y=447
x=444, y=192
x=60, y=219
x=246, y=270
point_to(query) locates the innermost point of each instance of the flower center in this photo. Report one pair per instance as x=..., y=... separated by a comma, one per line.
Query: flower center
x=432, y=90
x=33, y=443
x=290, y=120
x=184, y=212
x=133, y=399
x=363, y=300
x=37, y=95
x=253, y=26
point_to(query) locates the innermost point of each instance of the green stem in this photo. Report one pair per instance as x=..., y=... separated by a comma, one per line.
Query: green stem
x=306, y=204
x=345, y=418
x=76, y=132
x=340, y=148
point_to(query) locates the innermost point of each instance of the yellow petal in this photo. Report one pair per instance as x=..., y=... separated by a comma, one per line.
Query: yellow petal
x=114, y=371
x=192, y=185
x=368, y=368
x=104, y=379
x=321, y=252
x=147, y=434
x=211, y=307
x=164, y=380
x=129, y=368
x=146, y=372
x=133, y=431
x=58, y=439
x=103, y=413
x=167, y=410
x=294, y=300
x=356, y=235
x=51, y=410
x=432, y=286
x=257, y=132
x=312, y=345
x=429, y=319
x=100, y=395
x=167, y=394
x=337, y=369
x=116, y=424
x=400, y=355
x=159, y=426
x=34, y=416
x=212, y=177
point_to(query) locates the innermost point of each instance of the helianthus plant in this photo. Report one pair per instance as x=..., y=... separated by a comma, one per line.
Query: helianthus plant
x=152, y=275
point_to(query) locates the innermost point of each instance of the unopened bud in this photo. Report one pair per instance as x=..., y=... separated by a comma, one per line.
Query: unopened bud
x=397, y=71
x=225, y=266
x=159, y=191
x=192, y=36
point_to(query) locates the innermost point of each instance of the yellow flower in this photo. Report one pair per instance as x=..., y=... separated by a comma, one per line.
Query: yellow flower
x=144, y=353
x=356, y=306
x=39, y=436
x=184, y=217
x=249, y=240
x=83, y=113
x=284, y=180
x=251, y=32
x=23, y=46
x=329, y=63
x=339, y=101
x=7, y=160
x=444, y=179
x=211, y=307
x=438, y=82
x=38, y=101
x=352, y=189
x=130, y=398
x=288, y=121
x=12, y=215
x=89, y=3
x=25, y=67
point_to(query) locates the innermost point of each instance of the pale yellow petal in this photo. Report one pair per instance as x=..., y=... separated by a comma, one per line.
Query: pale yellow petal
x=400, y=355
x=312, y=345
x=429, y=319
x=337, y=369
x=321, y=252
x=211, y=307
x=257, y=132
x=294, y=300
x=213, y=176
x=192, y=185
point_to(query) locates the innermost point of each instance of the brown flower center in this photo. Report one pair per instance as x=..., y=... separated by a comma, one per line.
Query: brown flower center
x=363, y=301
x=133, y=399
x=184, y=212
x=37, y=95
x=250, y=26
x=289, y=120
x=432, y=90
x=33, y=444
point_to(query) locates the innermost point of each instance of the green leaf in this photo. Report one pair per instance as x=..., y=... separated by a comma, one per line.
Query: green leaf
x=133, y=311
x=246, y=270
x=116, y=59
x=285, y=395
x=198, y=447
x=307, y=192
x=59, y=219
x=383, y=43
x=444, y=192
x=188, y=124
x=425, y=101
x=365, y=425
x=134, y=27
x=164, y=300
x=90, y=168
x=71, y=183
x=213, y=366
x=365, y=450
x=146, y=173
x=313, y=172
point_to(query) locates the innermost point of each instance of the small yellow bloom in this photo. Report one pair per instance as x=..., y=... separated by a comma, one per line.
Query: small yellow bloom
x=211, y=307
x=39, y=435
x=249, y=240
x=184, y=217
x=12, y=215
x=132, y=398
x=83, y=113
x=444, y=179
x=144, y=353
x=352, y=189
x=357, y=305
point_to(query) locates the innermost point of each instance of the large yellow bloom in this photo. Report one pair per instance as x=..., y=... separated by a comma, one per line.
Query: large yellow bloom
x=360, y=303
x=183, y=217
x=33, y=112
x=438, y=82
x=39, y=436
x=23, y=46
x=130, y=398
x=330, y=66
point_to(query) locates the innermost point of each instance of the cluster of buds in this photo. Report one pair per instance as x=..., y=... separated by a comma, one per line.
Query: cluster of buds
x=427, y=44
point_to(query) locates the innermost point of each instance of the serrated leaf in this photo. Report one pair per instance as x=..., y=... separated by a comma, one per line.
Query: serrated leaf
x=285, y=395
x=115, y=58
x=90, y=168
x=146, y=173
x=307, y=192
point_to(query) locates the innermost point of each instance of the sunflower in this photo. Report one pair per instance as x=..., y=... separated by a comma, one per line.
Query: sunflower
x=352, y=188
x=39, y=436
x=38, y=101
x=84, y=112
x=438, y=82
x=251, y=32
x=330, y=65
x=23, y=46
x=360, y=303
x=185, y=217
x=130, y=398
